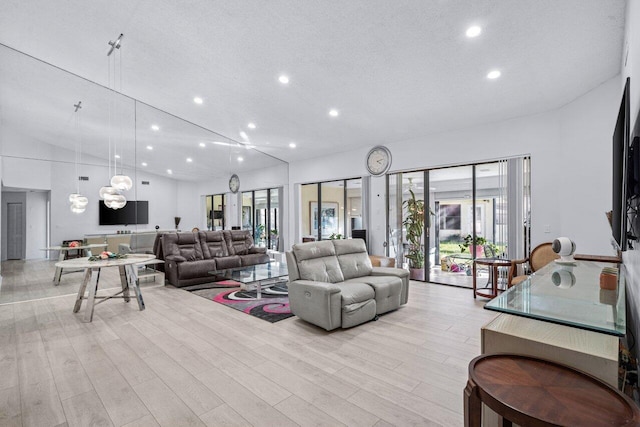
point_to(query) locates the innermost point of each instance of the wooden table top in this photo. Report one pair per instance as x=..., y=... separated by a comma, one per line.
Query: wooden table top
x=500, y=262
x=531, y=391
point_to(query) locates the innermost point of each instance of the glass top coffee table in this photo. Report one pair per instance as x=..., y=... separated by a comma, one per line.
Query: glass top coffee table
x=257, y=276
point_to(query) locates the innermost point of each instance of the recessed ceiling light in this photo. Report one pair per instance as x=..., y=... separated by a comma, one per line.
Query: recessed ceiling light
x=189, y=160
x=117, y=156
x=202, y=144
x=334, y=113
x=155, y=127
x=149, y=147
x=283, y=79
x=243, y=135
x=240, y=159
x=169, y=171
x=292, y=145
x=473, y=31
x=251, y=125
x=198, y=100
x=493, y=74
x=144, y=163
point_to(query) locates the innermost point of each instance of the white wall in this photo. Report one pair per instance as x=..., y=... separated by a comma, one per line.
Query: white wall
x=36, y=238
x=572, y=144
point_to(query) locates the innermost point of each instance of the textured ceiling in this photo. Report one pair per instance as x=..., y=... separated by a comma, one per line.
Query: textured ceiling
x=395, y=69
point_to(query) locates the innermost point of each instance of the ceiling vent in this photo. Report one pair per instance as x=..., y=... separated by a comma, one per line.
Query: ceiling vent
x=83, y=178
x=145, y=182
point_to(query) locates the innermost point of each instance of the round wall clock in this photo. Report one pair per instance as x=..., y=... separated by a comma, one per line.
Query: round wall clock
x=234, y=183
x=378, y=160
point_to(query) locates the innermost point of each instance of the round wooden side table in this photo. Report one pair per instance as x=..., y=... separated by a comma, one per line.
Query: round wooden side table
x=533, y=392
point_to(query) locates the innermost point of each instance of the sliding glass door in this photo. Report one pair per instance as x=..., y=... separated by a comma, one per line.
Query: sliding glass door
x=441, y=220
x=215, y=211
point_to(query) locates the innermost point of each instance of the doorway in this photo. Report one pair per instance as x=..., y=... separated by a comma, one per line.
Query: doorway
x=15, y=231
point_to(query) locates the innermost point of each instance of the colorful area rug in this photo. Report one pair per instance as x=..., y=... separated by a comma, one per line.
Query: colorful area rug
x=272, y=307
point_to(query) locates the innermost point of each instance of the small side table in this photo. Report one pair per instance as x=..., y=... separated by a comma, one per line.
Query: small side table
x=536, y=392
x=494, y=264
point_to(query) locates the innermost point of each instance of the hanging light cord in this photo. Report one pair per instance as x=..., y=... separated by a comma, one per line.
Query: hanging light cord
x=77, y=126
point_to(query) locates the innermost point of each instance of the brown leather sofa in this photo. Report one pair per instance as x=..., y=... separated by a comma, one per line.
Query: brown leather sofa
x=190, y=257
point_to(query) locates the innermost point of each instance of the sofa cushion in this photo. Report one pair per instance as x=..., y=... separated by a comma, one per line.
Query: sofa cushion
x=353, y=258
x=194, y=269
x=354, y=292
x=238, y=241
x=311, y=250
x=325, y=269
x=186, y=245
x=213, y=244
x=387, y=291
x=253, y=259
x=226, y=262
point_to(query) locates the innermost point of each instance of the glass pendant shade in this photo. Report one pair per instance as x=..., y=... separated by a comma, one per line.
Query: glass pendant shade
x=72, y=197
x=107, y=190
x=121, y=182
x=80, y=201
x=77, y=209
x=117, y=201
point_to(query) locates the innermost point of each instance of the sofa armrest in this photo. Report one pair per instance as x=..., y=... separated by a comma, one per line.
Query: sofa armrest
x=398, y=272
x=257, y=250
x=175, y=258
x=316, y=302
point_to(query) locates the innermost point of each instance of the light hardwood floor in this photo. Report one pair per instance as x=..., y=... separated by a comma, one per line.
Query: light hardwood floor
x=186, y=361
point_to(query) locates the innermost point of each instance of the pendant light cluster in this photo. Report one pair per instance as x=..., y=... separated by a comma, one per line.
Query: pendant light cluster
x=112, y=193
x=78, y=201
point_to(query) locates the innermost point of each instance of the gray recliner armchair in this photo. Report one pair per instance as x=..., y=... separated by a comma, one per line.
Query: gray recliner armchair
x=332, y=284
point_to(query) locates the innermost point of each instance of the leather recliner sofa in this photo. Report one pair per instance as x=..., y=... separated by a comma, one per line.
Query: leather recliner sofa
x=332, y=284
x=191, y=256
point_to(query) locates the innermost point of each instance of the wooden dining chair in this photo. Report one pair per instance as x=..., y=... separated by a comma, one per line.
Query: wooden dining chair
x=540, y=256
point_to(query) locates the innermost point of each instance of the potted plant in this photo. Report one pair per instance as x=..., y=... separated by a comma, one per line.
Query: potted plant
x=476, y=245
x=414, y=224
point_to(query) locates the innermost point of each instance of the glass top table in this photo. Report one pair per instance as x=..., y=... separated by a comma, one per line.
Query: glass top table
x=260, y=275
x=568, y=295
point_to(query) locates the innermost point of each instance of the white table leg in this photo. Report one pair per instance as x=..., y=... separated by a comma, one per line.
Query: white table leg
x=132, y=280
x=58, y=273
x=93, y=288
x=81, y=291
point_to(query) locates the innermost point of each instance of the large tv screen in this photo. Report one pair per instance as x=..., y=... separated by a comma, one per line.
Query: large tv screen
x=620, y=156
x=132, y=213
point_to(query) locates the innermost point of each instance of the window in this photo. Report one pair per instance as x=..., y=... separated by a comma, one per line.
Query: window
x=450, y=217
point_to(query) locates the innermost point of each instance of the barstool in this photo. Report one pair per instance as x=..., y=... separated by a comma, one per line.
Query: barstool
x=534, y=392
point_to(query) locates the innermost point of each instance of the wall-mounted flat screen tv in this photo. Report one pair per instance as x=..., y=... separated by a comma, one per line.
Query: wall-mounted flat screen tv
x=620, y=157
x=134, y=212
